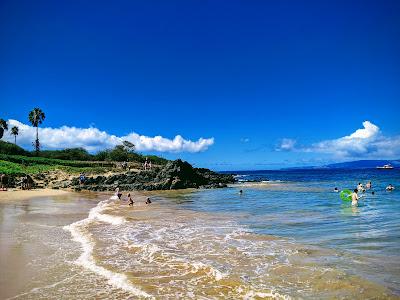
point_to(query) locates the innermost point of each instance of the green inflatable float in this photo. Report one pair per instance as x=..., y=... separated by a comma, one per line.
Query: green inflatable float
x=345, y=195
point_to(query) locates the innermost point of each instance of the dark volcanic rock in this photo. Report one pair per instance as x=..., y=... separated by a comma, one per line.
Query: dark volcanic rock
x=17, y=180
x=180, y=174
x=176, y=174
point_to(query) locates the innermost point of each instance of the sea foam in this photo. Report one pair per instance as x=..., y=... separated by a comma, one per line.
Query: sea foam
x=257, y=295
x=81, y=235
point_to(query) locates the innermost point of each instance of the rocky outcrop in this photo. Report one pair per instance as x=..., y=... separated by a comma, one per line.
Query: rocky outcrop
x=24, y=182
x=176, y=174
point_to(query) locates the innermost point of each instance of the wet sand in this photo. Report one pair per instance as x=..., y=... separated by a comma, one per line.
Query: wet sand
x=15, y=195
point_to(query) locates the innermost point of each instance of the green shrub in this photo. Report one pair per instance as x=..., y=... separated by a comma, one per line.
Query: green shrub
x=119, y=153
x=28, y=161
x=67, y=154
x=10, y=148
x=157, y=159
x=20, y=169
x=101, y=155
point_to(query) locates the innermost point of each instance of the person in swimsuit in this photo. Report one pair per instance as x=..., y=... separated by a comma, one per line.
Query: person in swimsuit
x=390, y=188
x=368, y=186
x=117, y=193
x=354, y=197
x=360, y=187
x=130, y=200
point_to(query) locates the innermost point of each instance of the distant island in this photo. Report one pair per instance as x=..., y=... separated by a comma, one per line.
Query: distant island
x=357, y=164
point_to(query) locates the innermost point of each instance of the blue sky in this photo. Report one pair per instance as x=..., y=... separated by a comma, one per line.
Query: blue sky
x=267, y=84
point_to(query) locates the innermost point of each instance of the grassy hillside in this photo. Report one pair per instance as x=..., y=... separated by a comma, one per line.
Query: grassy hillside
x=12, y=168
x=16, y=160
x=26, y=160
x=10, y=148
x=118, y=153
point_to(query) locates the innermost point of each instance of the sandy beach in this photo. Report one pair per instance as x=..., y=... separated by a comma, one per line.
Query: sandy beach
x=13, y=195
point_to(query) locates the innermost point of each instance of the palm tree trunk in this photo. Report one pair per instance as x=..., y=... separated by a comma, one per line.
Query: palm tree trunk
x=15, y=139
x=37, y=140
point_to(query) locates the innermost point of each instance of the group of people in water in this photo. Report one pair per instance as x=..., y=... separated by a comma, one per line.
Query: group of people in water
x=131, y=202
x=118, y=195
x=362, y=189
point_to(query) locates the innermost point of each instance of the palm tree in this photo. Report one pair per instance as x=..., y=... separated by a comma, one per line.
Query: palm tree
x=36, y=117
x=3, y=127
x=14, y=132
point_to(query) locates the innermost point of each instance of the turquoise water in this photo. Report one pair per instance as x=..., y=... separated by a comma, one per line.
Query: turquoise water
x=302, y=207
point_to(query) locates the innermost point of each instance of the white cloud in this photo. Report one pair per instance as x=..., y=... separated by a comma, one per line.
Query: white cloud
x=93, y=139
x=369, y=131
x=367, y=142
x=244, y=140
x=286, y=145
x=159, y=143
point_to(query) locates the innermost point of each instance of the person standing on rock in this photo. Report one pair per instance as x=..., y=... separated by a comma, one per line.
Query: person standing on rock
x=82, y=178
x=2, y=177
x=24, y=183
x=145, y=164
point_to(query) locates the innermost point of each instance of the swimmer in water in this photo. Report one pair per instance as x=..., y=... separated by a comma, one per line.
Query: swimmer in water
x=368, y=186
x=117, y=193
x=148, y=201
x=390, y=188
x=354, y=197
x=240, y=192
x=336, y=190
x=130, y=200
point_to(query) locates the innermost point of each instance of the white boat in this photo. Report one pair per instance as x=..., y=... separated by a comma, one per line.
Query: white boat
x=388, y=166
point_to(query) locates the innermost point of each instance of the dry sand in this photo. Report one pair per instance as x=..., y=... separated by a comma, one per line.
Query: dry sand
x=13, y=195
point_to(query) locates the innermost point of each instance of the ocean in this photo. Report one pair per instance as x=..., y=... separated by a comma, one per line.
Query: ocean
x=288, y=235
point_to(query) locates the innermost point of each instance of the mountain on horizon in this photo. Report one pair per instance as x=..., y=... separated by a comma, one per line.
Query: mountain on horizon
x=363, y=164
x=357, y=164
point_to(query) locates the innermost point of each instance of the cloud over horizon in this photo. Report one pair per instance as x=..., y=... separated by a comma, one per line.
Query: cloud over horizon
x=286, y=145
x=366, y=142
x=93, y=139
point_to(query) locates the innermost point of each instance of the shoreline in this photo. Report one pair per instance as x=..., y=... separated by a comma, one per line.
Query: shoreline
x=16, y=195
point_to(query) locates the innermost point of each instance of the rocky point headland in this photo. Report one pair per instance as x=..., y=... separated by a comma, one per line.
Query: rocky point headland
x=176, y=174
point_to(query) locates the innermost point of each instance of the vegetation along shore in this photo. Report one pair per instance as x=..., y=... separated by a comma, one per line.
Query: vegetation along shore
x=44, y=172
x=108, y=169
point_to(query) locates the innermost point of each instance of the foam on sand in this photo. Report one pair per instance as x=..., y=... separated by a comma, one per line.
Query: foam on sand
x=262, y=295
x=81, y=235
x=211, y=271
